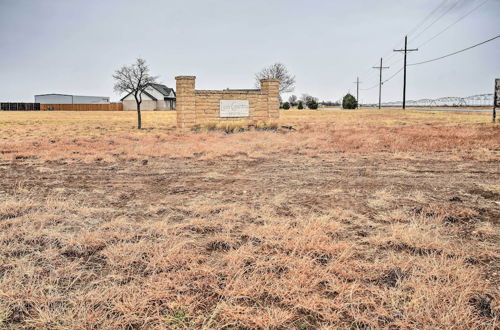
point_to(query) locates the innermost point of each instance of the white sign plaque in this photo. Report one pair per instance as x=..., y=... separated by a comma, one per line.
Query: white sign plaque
x=234, y=108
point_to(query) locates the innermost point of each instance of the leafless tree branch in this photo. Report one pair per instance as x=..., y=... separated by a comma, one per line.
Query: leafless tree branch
x=134, y=79
x=280, y=72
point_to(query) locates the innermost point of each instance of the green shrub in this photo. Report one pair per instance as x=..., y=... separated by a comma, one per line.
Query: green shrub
x=286, y=105
x=349, y=102
x=312, y=104
x=300, y=106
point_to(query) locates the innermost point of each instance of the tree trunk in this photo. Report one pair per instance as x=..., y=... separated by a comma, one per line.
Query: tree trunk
x=139, y=122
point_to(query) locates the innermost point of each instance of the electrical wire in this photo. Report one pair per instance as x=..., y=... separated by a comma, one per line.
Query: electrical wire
x=437, y=19
x=435, y=59
x=383, y=82
x=454, y=53
x=394, y=75
x=449, y=26
x=436, y=9
x=390, y=65
x=427, y=17
x=413, y=30
x=367, y=89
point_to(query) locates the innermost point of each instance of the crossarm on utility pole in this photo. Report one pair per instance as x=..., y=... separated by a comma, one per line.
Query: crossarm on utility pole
x=380, y=83
x=357, y=82
x=405, y=50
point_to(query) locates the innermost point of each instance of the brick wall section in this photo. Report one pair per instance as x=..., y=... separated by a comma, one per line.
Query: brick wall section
x=200, y=106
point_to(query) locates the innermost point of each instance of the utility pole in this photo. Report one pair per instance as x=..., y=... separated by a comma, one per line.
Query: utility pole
x=357, y=82
x=496, y=93
x=380, y=85
x=406, y=50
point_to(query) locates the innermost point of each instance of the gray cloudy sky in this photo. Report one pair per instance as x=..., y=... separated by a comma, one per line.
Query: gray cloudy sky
x=70, y=46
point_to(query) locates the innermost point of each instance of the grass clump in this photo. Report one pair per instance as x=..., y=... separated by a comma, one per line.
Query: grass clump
x=178, y=319
x=266, y=126
x=209, y=126
x=232, y=127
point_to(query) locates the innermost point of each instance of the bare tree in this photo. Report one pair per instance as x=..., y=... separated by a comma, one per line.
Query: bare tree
x=293, y=100
x=280, y=72
x=310, y=101
x=134, y=79
x=307, y=98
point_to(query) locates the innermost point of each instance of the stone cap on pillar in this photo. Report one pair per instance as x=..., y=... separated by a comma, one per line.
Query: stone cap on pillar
x=270, y=80
x=185, y=78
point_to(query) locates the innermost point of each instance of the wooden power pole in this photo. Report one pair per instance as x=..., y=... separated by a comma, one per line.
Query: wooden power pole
x=405, y=50
x=357, y=82
x=496, y=93
x=380, y=84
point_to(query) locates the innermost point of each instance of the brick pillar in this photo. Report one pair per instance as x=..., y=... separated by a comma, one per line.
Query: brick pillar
x=271, y=87
x=185, y=101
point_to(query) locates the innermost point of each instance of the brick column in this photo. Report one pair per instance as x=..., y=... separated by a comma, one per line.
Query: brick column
x=185, y=101
x=271, y=87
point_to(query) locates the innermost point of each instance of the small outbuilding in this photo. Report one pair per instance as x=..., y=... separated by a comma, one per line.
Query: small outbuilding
x=155, y=97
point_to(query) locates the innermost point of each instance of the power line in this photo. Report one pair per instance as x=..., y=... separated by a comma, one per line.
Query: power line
x=416, y=27
x=397, y=72
x=457, y=52
x=413, y=30
x=426, y=18
x=386, y=80
x=394, y=75
x=438, y=9
x=437, y=19
x=367, y=89
x=449, y=26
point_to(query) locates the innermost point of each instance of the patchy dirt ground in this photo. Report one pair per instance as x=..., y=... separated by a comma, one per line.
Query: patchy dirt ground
x=258, y=238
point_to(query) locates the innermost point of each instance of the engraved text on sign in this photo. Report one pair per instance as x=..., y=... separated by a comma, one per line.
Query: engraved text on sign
x=234, y=108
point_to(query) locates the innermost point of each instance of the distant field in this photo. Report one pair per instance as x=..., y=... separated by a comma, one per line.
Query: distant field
x=355, y=219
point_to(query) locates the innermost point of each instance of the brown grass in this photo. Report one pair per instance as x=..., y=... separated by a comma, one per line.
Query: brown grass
x=357, y=219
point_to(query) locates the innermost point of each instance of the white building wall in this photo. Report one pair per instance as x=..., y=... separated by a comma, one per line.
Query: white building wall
x=78, y=99
x=148, y=103
x=69, y=99
x=161, y=105
x=145, y=105
x=53, y=99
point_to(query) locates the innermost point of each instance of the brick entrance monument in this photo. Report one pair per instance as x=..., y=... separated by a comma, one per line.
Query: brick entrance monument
x=201, y=106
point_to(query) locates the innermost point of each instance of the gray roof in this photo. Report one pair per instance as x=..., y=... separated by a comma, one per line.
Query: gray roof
x=163, y=89
x=102, y=97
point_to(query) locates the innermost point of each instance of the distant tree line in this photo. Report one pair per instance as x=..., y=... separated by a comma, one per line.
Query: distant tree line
x=308, y=101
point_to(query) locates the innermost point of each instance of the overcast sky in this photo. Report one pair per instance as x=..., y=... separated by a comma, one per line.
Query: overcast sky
x=70, y=46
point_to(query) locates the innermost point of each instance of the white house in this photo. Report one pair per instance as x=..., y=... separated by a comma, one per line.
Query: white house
x=155, y=97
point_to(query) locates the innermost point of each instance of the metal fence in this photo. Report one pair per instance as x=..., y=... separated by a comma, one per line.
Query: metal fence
x=16, y=106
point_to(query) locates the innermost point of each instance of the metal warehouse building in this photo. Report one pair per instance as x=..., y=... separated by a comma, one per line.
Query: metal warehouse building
x=69, y=99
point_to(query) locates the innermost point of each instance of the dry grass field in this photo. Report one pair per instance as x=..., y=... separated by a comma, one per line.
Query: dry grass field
x=356, y=219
